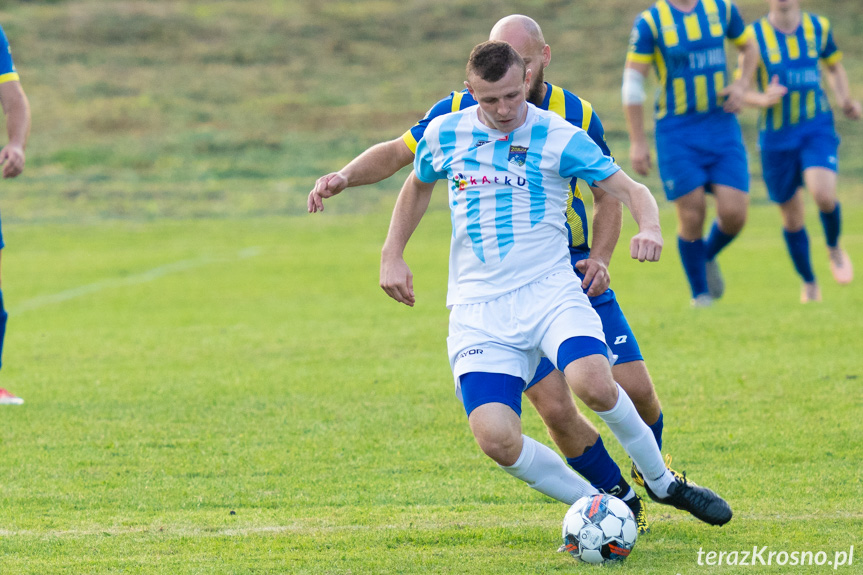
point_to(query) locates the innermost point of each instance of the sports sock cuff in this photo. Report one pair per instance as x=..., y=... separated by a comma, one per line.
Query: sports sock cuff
x=525, y=458
x=620, y=410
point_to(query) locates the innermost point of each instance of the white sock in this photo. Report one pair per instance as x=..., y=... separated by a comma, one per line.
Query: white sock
x=638, y=441
x=542, y=469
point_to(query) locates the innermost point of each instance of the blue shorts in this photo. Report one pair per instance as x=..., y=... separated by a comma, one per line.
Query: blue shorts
x=700, y=150
x=783, y=169
x=618, y=335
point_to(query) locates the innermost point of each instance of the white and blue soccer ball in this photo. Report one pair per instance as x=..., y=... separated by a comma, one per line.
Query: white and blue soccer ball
x=599, y=529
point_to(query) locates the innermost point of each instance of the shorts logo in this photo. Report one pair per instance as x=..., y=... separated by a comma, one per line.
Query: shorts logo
x=832, y=160
x=669, y=184
x=621, y=339
x=517, y=155
x=464, y=354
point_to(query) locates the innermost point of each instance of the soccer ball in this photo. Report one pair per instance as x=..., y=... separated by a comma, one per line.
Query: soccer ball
x=599, y=528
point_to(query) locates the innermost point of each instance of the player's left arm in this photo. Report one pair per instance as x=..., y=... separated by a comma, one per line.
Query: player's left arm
x=607, y=220
x=605, y=229
x=838, y=80
x=646, y=245
x=744, y=38
x=831, y=57
x=17, y=110
x=396, y=278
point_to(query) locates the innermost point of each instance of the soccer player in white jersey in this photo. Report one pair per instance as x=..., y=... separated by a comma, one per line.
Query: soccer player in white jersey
x=512, y=291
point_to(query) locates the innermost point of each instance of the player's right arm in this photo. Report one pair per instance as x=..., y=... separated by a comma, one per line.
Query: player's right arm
x=411, y=205
x=375, y=164
x=638, y=61
x=17, y=111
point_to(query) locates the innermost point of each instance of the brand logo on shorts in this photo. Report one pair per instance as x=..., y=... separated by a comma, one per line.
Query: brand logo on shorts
x=621, y=339
x=832, y=160
x=464, y=354
x=670, y=185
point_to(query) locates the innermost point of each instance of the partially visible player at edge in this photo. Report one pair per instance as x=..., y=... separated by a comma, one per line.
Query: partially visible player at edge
x=17, y=111
x=699, y=145
x=513, y=295
x=798, y=141
x=577, y=438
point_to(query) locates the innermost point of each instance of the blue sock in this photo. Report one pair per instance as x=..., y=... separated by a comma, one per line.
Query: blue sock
x=597, y=466
x=656, y=428
x=798, y=248
x=693, y=259
x=832, y=223
x=716, y=241
x=3, y=317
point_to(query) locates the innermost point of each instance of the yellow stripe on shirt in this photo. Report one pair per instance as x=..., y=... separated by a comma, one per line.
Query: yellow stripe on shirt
x=666, y=24
x=10, y=77
x=557, y=102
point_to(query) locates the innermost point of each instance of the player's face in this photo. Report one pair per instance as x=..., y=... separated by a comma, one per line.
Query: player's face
x=536, y=56
x=502, y=104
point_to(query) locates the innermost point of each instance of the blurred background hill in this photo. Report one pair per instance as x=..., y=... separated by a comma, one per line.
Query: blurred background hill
x=146, y=109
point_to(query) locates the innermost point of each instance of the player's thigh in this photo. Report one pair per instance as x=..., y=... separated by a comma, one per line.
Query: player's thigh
x=732, y=206
x=793, y=212
x=782, y=172
x=552, y=398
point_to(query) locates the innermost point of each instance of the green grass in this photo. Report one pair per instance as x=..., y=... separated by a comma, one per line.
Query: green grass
x=238, y=396
x=214, y=381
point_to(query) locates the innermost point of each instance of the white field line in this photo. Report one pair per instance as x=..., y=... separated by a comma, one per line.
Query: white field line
x=143, y=277
x=167, y=530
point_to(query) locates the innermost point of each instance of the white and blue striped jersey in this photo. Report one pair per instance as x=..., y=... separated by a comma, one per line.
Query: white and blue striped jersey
x=507, y=195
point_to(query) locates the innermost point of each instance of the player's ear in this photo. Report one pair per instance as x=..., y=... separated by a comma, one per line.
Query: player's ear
x=469, y=89
x=546, y=56
x=527, y=76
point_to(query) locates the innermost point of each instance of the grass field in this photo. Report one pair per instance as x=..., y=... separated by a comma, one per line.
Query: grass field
x=214, y=383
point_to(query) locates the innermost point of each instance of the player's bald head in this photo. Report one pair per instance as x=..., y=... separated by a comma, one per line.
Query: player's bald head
x=517, y=30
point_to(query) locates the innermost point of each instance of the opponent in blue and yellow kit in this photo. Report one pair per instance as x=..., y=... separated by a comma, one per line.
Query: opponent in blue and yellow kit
x=698, y=143
x=9, y=74
x=797, y=134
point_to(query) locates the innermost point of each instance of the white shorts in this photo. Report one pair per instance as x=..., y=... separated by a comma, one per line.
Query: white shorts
x=511, y=333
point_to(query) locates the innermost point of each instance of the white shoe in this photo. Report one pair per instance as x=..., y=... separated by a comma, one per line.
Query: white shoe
x=715, y=283
x=702, y=300
x=7, y=398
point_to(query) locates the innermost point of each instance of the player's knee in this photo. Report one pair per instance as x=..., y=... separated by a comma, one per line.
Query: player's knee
x=502, y=448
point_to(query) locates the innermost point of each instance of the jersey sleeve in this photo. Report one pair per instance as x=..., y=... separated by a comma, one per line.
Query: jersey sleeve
x=642, y=41
x=737, y=31
x=830, y=53
x=424, y=163
x=415, y=134
x=7, y=67
x=597, y=134
x=582, y=158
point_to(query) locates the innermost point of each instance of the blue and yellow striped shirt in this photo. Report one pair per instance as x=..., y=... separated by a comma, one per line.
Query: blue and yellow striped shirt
x=687, y=51
x=7, y=67
x=574, y=110
x=794, y=58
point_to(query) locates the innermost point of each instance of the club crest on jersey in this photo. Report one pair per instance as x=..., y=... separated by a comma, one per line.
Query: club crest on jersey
x=517, y=155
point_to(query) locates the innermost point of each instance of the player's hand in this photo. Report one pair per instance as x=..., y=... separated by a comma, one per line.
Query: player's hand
x=852, y=109
x=397, y=279
x=774, y=92
x=326, y=187
x=596, y=278
x=12, y=160
x=646, y=246
x=734, y=94
x=639, y=156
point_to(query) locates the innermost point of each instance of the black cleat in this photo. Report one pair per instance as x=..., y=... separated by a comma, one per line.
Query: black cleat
x=701, y=502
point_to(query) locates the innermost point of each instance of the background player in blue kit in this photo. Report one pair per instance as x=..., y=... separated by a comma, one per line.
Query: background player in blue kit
x=512, y=292
x=699, y=145
x=798, y=142
x=576, y=437
x=17, y=111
